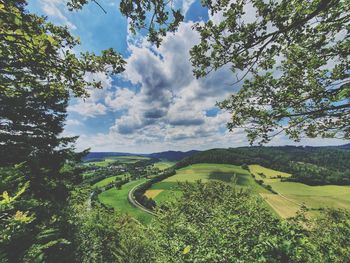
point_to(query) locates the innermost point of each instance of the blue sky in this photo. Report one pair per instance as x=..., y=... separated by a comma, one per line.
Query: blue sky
x=156, y=104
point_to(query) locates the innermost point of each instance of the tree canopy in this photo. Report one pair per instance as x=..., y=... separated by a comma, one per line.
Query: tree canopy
x=39, y=72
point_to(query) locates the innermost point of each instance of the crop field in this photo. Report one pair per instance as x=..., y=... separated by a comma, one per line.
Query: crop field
x=107, y=180
x=118, y=199
x=204, y=172
x=152, y=193
x=163, y=165
x=292, y=195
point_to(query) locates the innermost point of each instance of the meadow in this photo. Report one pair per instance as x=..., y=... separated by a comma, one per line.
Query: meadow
x=163, y=165
x=169, y=188
x=107, y=180
x=118, y=199
x=292, y=195
x=111, y=159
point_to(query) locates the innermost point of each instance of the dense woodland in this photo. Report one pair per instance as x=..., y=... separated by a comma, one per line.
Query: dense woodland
x=309, y=165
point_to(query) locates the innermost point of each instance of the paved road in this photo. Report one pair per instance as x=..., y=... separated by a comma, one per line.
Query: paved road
x=134, y=202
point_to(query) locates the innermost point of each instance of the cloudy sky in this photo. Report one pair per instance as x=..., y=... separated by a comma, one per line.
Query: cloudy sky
x=156, y=104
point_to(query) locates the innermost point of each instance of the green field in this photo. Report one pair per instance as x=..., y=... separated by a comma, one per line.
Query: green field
x=107, y=180
x=103, y=163
x=204, y=172
x=118, y=199
x=256, y=169
x=292, y=195
x=163, y=165
x=123, y=159
x=127, y=159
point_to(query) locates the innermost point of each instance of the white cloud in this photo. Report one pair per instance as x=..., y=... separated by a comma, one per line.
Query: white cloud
x=88, y=109
x=56, y=9
x=169, y=109
x=94, y=105
x=71, y=122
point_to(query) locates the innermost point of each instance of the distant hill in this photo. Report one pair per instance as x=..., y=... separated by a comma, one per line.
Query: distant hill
x=172, y=155
x=168, y=155
x=101, y=155
x=344, y=146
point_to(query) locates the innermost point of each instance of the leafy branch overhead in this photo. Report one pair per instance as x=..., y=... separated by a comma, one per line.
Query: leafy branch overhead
x=292, y=60
x=290, y=57
x=45, y=51
x=156, y=17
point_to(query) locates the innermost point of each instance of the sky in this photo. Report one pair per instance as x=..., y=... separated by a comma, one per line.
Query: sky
x=156, y=104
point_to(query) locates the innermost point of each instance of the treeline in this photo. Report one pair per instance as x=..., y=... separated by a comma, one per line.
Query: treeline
x=310, y=165
x=140, y=191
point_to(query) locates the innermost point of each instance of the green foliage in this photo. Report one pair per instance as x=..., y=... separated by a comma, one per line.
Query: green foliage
x=14, y=214
x=293, y=60
x=331, y=234
x=96, y=235
x=214, y=222
x=38, y=73
x=157, y=17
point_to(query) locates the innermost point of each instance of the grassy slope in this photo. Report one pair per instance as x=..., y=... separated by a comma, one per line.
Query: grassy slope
x=295, y=194
x=118, y=199
x=122, y=159
x=107, y=180
x=204, y=172
x=127, y=159
x=163, y=165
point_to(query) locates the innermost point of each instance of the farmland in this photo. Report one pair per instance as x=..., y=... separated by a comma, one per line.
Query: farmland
x=112, y=159
x=204, y=172
x=107, y=180
x=292, y=195
x=118, y=199
x=163, y=165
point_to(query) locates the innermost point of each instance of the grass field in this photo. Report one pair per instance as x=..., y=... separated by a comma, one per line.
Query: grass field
x=204, y=172
x=123, y=159
x=256, y=169
x=118, y=199
x=163, y=165
x=292, y=195
x=106, y=181
x=127, y=159
x=103, y=163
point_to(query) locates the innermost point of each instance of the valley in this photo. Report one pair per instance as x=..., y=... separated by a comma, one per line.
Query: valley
x=282, y=197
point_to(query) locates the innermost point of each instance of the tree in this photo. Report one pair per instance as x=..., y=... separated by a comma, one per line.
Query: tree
x=39, y=72
x=291, y=59
x=214, y=222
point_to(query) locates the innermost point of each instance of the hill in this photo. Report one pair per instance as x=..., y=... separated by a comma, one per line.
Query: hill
x=172, y=155
x=168, y=155
x=310, y=165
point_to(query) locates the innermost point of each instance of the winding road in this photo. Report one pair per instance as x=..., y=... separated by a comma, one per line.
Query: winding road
x=136, y=204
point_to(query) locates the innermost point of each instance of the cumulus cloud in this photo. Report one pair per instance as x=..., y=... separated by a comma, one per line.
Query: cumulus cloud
x=88, y=109
x=166, y=107
x=169, y=95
